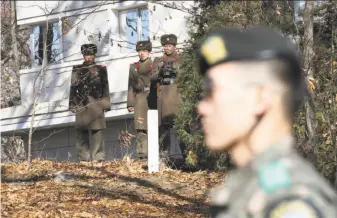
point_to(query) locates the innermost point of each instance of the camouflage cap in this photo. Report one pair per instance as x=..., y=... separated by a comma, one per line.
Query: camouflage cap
x=258, y=43
x=88, y=49
x=168, y=39
x=144, y=45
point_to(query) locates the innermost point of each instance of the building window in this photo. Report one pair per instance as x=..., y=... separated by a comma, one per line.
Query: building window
x=53, y=43
x=134, y=26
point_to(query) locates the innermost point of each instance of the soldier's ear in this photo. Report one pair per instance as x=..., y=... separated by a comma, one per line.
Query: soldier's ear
x=262, y=101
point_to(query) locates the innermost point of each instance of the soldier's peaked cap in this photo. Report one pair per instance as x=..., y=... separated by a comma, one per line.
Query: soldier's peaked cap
x=257, y=43
x=88, y=49
x=144, y=45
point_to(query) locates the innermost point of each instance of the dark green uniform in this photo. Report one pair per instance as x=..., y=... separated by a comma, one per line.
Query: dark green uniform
x=276, y=183
x=138, y=94
x=165, y=70
x=89, y=99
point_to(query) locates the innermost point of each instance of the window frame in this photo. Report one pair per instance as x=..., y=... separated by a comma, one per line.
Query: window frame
x=139, y=9
x=32, y=46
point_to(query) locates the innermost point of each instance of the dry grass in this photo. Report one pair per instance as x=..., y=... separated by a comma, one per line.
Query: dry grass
x=108, y=189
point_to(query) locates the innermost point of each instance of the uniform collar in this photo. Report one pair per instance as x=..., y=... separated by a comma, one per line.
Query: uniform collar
x=86, y=64
x=142, y=61
x=278, y=149
x=174, y=54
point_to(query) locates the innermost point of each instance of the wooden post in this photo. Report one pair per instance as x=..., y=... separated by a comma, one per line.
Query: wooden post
x=153, y=141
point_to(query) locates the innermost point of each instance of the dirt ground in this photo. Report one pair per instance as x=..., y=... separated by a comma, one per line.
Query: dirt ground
x=108, y=189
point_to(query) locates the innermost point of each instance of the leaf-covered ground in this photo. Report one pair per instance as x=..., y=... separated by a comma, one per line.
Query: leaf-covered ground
x=108, y=189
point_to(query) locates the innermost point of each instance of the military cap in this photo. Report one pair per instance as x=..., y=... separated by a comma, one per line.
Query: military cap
x=144, y=45
x=89, y=49
x=258, y=43
x=168, y=39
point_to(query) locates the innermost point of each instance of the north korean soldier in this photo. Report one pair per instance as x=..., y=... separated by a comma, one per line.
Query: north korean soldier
x=253, y=86
x=89, y=100
x=165, y=70
x=138, y=92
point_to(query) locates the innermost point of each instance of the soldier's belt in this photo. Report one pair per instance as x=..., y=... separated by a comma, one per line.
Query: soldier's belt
x=167, y=81
x=146, y=89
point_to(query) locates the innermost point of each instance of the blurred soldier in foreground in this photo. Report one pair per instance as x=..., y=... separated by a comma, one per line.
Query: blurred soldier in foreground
x=139, y=88
x=253, y=86
x=89, y=99
x=165, y=70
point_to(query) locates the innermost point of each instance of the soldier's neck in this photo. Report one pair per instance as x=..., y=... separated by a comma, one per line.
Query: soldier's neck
x=270, y=133
x=88, y=63
x=172, y=54
x=144, y=59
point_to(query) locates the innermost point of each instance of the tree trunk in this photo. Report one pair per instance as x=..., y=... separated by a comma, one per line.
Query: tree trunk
x=16, y=63
x=37, y=93
x=308, y=53
x=333, y=23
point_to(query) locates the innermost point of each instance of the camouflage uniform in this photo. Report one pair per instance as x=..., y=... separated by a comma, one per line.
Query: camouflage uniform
x=138, y=94
x=167, y=89
x=89, y=99
x=277, y=182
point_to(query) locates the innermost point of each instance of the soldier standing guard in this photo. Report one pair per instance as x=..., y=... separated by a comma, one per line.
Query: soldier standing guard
x=138, y=92
x=89, y=100
x=165, y=70
x=253, y=86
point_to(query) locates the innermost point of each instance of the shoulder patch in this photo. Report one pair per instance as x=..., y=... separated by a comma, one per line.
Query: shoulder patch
x=77, y=66
x=292, y=208
x=133, y=65
x=273, y=176
x=101, y=66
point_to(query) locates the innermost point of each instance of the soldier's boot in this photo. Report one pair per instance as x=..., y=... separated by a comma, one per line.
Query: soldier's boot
x=179, y=162
x=83, y=145
x=98, y=145
x=183, y=149
x=141, y=144
x=164, y=141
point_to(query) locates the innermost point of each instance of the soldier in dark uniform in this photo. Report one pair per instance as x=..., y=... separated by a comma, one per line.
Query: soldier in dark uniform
x=138, y=92
x=165, y=70
x=253, y=86
x=89, y=100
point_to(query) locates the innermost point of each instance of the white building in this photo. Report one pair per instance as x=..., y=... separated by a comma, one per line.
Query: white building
x=114, y=26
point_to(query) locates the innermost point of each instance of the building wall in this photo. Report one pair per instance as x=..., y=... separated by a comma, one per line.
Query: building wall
x=75, y=23
x=91, y=24
x=59, y=143
x=29, y=12
x=103, y=26
x=117, y=56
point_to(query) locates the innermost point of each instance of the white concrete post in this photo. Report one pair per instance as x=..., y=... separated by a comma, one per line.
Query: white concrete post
x=153, y=141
